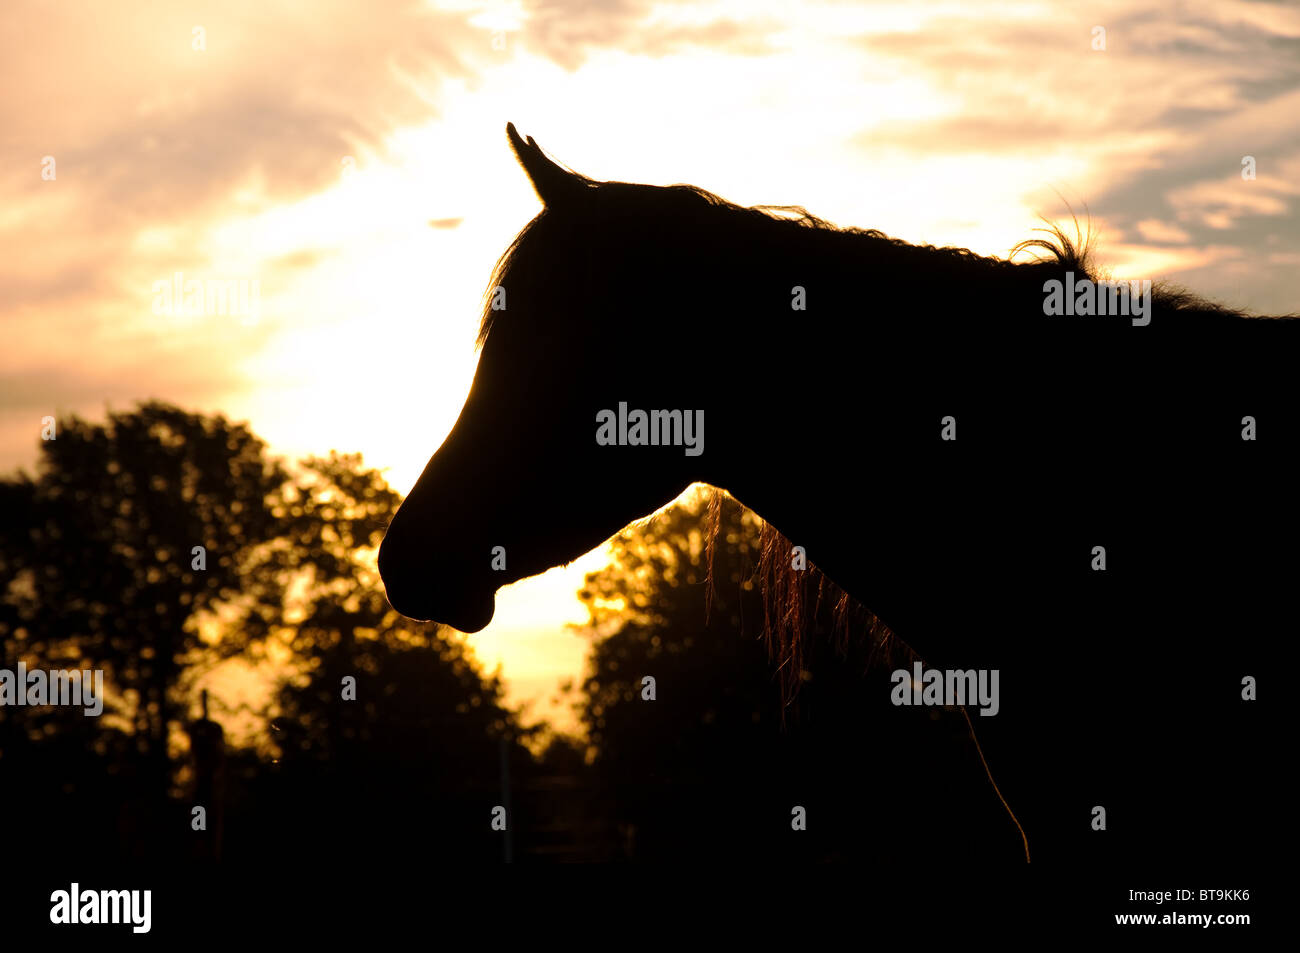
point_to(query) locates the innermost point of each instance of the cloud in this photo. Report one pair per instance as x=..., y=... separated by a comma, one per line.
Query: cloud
x=1157, y=122
x=155, y=143
x=1158, y=232
x=568, y=31
x=144, y=129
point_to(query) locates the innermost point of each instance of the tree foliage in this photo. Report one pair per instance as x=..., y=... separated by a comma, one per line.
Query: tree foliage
x=99, y=553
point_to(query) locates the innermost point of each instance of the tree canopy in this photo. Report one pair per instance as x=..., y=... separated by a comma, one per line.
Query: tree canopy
x=160, y=543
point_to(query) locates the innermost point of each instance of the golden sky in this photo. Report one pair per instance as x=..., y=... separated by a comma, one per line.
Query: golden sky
x=351, y=159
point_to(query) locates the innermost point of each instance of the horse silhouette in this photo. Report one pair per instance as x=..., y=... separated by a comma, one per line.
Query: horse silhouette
x=1098, y=507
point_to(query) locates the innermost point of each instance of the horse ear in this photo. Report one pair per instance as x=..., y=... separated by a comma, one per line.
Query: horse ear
x=554, y=184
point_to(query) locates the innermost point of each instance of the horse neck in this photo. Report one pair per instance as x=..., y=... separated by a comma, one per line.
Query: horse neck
x=799, y=438
x=834, y=438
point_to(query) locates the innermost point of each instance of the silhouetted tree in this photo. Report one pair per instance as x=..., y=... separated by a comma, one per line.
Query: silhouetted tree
x=131, y=530
x=387, y=735
x=99, y=553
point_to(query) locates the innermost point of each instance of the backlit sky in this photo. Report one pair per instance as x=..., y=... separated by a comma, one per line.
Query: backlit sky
x=351, y=158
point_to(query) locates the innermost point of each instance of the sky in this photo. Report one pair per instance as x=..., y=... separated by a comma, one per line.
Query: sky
x=345, y=165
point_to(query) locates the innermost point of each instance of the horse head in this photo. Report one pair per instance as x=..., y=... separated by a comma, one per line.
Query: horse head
x=524, y=481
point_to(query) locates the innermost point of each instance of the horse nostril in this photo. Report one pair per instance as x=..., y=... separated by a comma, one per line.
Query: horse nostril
x=408, y=599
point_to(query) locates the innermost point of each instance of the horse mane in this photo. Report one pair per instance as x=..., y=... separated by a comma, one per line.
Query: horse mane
x=1062, y=252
